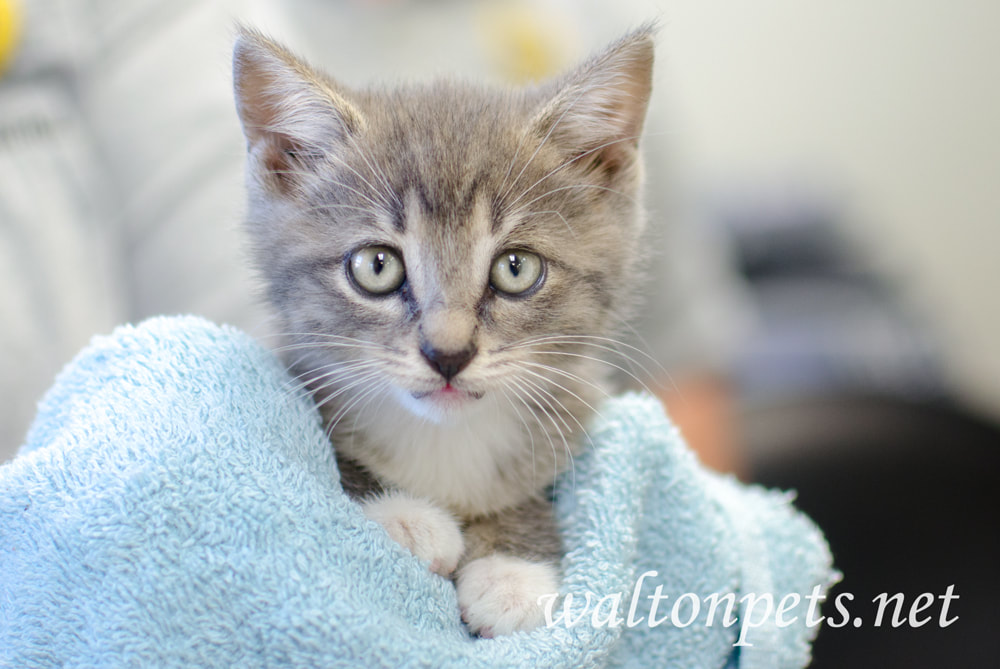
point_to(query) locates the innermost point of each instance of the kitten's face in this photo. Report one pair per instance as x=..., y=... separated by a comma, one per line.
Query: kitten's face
x=445, y=244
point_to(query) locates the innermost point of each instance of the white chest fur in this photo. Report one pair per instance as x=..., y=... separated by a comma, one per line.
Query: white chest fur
x=469, y=462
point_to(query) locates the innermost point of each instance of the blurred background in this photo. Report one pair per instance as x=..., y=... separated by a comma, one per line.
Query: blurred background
x=822, y=183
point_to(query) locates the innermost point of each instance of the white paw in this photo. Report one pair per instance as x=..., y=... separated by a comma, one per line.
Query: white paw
x=426, y=530
x=499, y=594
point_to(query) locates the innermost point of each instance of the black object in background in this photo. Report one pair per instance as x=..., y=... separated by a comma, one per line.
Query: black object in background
x=908, y=494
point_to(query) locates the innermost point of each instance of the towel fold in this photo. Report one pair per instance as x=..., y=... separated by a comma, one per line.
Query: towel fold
x=176, y=505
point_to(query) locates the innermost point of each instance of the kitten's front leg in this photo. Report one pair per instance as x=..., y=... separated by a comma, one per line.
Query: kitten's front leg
x=510, y=563
x=425, y=529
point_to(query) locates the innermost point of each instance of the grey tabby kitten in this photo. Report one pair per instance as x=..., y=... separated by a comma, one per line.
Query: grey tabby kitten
x=446, y=262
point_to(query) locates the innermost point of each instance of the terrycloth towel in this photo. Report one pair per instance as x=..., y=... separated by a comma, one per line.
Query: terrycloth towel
x=176, y=505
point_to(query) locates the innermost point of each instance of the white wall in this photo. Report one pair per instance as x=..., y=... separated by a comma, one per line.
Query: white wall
x=897, y=101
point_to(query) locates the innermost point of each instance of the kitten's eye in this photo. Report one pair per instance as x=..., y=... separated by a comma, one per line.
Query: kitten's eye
x=376, y=269
x=517, y=272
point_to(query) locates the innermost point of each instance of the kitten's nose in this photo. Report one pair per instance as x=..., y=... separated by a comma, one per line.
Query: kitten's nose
x=448, y=363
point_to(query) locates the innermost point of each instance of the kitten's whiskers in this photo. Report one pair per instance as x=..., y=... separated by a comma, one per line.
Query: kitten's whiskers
x=539, y=148
x=561, y=167
x=379, y=206
x=538, y=398
x=330, y=375
x=376, y=385
x=575, y=186
x=550, y=211
x=378, y=174
x=572, y=377
x=604, y=343
x=504, y=387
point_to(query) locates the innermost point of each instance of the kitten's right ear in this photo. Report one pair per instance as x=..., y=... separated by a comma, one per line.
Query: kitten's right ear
x=597, y=111
x=287, y=109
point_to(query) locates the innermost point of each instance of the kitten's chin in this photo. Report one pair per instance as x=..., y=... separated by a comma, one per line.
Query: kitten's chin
x=443, y=405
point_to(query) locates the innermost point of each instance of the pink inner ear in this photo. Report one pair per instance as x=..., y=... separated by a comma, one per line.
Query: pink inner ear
x=281, y=161
x=255, y=80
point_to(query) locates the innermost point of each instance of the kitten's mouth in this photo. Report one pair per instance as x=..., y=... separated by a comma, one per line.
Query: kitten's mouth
x=448, y=395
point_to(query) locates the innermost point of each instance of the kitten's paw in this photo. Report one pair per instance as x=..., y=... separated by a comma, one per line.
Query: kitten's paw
x=499, y=594
x=426, y=530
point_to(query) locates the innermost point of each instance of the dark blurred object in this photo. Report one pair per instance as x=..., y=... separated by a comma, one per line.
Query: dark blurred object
x=825, y=320
x=907, y=494
x=845, y=401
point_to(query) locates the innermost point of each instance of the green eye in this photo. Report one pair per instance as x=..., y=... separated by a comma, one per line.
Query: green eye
x=376, y=269
x=517, y=272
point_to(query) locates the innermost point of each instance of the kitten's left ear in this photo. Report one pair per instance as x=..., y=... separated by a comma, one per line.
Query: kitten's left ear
x=598, y=110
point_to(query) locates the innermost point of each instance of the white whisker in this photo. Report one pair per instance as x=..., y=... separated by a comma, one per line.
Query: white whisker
x=537, y=149
x=378, y=174
x=575, y=186
x=334, y=377
x=563, y=166
x=504, y=387
x=588, y=340
x=513, y=160
x=604, y=344
x=384, y=198
x=530, y=402
x=546, y=395
x=571, y=377
x=302, y=381
x=354, y=383
x=552, y=211
x=536, y=393
x=380, y=206
x=375, y=384
x=321, y=345
x=602, y=361
x=325, y=207
x=563, y=406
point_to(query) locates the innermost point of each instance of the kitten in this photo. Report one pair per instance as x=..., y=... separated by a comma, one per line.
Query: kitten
x=447, y=261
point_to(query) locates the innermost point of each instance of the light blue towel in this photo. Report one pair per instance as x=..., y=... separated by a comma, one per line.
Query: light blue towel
x=175, y=505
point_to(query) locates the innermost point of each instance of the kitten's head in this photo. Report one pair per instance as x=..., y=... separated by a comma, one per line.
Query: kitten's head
x=442, y=243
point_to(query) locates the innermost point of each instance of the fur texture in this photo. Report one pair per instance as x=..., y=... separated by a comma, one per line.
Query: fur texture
x=448, y=263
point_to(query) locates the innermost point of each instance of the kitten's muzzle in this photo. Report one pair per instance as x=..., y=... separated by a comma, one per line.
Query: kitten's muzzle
x=448, y=363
